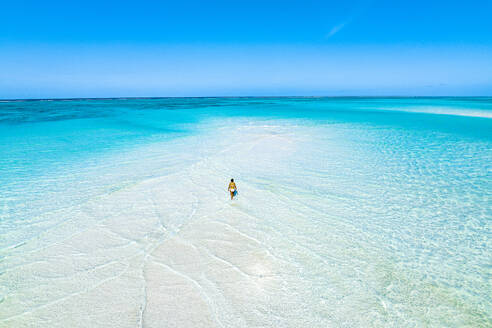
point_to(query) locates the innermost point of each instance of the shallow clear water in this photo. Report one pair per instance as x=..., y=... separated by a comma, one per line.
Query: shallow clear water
x=351, y=212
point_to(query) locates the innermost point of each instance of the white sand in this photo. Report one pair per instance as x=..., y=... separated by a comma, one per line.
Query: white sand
x=171, y=251
x=330, y=229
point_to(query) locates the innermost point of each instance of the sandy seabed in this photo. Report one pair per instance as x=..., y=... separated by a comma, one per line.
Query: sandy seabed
x=291, y=251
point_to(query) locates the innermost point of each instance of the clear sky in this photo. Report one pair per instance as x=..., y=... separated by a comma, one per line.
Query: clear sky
x=199, y=48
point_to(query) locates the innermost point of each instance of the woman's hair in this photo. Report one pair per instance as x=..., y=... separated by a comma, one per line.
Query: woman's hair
x=232, y=180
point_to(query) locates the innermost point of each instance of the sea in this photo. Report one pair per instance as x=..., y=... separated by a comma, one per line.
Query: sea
x=351, y=212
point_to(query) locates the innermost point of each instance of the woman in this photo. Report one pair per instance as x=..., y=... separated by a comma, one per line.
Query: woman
x=232, y=188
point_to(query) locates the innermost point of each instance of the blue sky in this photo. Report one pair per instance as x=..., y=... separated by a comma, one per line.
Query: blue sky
x=199, y=48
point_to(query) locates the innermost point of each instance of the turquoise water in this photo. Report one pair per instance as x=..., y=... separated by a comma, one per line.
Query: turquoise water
x=356, y=211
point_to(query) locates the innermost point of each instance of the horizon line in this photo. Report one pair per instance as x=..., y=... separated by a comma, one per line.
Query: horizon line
x=229, y=97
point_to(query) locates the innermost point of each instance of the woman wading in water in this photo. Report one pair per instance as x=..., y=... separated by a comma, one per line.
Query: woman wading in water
x=232, y=188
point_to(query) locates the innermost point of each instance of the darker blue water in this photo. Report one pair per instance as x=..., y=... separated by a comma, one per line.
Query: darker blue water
x=36, y=136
